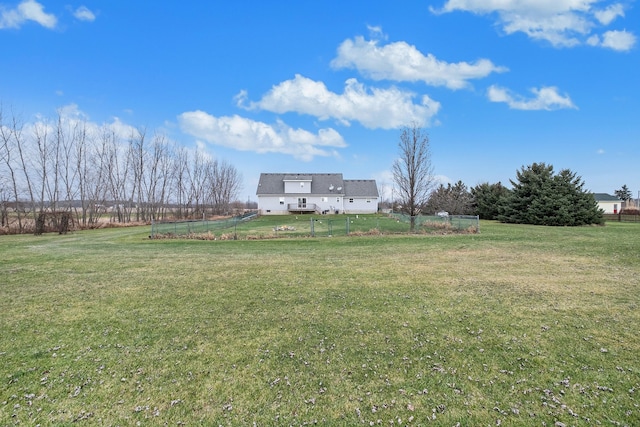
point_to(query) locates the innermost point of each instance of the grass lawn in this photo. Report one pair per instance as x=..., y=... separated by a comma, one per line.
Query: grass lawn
x=517, y=325
x=296, y=226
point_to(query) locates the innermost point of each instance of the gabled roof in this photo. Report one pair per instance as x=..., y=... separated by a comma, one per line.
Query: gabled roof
x=298, y=177
x=321, y=184
x=604, y=197
x=360, y=188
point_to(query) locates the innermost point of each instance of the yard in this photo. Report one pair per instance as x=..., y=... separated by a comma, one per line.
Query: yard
x=516, y=325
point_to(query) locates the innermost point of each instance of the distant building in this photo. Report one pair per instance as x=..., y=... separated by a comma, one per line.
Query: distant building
x=320, y=193
x=608, y=203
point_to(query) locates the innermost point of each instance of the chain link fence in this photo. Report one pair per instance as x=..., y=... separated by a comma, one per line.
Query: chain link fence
x=445, y=222
x=313, y=226
x=228, y=226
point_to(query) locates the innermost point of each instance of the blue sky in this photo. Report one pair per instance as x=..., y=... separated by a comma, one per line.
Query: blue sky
x=297, y=86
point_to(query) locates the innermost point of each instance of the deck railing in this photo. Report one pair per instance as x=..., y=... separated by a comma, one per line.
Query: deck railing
x=302, y=207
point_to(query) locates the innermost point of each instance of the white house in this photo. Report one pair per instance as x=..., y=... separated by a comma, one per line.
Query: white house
x=322, y=193
x=608, y=203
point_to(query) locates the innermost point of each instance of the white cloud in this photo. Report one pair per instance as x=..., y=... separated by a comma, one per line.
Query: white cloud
x=72, y=115
x=562, y=29
x=545, y=98
x=375, y=31
x=84, y=14
x=373, y=108
x=401, y=61
x=618, y=40
x=73, y=119
x=563, y=23
x=441, y=180
x=609, y=14
x=531, y=6
x=27, y=10
x=248, y=135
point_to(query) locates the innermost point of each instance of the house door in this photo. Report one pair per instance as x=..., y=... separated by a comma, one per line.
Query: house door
x=302, y=202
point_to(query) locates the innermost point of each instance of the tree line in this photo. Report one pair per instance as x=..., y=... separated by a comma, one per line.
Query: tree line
x=68, y=165
x=538, y=196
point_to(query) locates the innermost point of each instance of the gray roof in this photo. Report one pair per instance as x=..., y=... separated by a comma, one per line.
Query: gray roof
x=604, y=197
x=360, y=188
x=298, y=177
x=321, y=184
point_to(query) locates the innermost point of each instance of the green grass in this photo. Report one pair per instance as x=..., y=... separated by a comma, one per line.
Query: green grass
x=517, y=325
x=296, y=226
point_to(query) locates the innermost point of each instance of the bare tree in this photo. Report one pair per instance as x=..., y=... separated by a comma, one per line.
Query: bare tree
x=25, y=165
x=99, y=182
x=65, y=164
x=225, y=182
x=180, y=174
x=383, y=191
x=7, y=145
x=137, y=156
x=4, y=201
x=413, y=171
x=40, y=162
x=197, y=175
x=78, y=152
x=157, y=177
x=73, y=141
x=117, y=172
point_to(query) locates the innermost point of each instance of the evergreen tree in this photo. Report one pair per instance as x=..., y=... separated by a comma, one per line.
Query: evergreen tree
x=487, y=199
x=624, y=193
x=454, y=199
x=541, y=197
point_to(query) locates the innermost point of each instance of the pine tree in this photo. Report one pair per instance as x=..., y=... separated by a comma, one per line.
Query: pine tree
x=624, y=193
x=541, y=197
x=454, y=199
x=487, y=199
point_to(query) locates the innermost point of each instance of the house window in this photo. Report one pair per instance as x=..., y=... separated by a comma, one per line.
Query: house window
x=350, y=200
x=282, y=200
x=338, y=199
x=325, y=199
x=368, y=200
x=302, y=184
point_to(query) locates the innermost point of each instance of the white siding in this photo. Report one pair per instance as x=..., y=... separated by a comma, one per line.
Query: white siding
x=271, y=205
x=610, y=207
x=294, y=187
x=325, y=192
x=360, y=205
